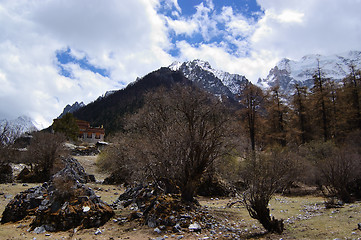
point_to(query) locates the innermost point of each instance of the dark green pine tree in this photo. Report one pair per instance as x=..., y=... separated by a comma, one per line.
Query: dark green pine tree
x=68, y=126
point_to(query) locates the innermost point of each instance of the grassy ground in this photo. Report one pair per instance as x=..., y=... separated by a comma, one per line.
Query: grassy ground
x=304, y=217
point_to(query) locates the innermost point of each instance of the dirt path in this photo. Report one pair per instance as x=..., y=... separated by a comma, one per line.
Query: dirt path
x=89, y=164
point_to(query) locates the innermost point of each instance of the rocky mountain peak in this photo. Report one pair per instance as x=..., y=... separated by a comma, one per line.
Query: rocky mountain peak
x=288, y=72
x=71, y=108
x=218, y=82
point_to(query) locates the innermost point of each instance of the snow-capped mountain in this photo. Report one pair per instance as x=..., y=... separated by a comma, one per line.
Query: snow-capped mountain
x=215, y=81
x=289, y=72
x=16, y=127
x=71, y=108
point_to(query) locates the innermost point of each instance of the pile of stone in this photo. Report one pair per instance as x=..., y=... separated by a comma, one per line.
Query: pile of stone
x=76, y=170
x=165, y=212
x=69, y=163
x=85, y=151
x=60, y=204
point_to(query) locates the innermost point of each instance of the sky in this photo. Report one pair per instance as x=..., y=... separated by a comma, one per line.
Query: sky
x=56, y=52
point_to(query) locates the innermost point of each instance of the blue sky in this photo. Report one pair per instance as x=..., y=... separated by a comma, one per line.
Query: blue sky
x=53, y=53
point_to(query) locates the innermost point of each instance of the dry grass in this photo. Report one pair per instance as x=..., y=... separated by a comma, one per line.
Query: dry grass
x=305, y=217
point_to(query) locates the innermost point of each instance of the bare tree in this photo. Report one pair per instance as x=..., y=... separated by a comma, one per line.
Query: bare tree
x=44, y=153
x=9, y=134
x=264, y=174
x=176, y=136
x=320, y=94
x=277, y=119
x=5, y=153
x=299, y=106
x=338, y=167
x=252, y=99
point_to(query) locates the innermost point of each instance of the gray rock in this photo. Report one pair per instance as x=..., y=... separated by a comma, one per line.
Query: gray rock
x=151, y=223
x=98, y=232
x=7, y=196
x=40, y=229
x=157, y=230
x=177, y=228
x=49, y=228
x=195, y=227
x=159, y=238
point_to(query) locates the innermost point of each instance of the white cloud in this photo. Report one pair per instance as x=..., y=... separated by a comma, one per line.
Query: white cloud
x=296, y=28
x=203, y=22
x=128, y=38
x=289, y=16
x=236, y=24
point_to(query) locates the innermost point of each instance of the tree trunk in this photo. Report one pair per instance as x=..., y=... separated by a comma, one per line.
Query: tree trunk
x=263, y=216
x=187, y=192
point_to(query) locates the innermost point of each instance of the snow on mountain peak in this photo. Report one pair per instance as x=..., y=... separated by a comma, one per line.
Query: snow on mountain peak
x=17, y=127
x=216, y=81
x=175, y=66
x=288, y=72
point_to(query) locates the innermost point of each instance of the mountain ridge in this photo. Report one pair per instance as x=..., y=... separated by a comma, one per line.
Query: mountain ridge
x=17, y=127
x=212, y=80
x=288, y=72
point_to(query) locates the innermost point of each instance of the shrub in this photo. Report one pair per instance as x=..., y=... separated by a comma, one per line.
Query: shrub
x=44, y=153
x=264, y=174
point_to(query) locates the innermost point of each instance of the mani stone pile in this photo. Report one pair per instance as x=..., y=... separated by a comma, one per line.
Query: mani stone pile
x=162, y=211
x=60, y=204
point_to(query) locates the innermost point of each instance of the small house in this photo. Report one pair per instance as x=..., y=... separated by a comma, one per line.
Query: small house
x=90, y=134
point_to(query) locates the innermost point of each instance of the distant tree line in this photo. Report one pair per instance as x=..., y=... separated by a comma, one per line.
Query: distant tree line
x=328, y=111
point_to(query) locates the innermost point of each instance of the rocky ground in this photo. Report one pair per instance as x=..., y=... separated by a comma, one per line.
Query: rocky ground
x=305, y=218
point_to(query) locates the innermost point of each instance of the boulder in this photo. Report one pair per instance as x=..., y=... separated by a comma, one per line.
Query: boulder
x=23, y=174
x=60, y=204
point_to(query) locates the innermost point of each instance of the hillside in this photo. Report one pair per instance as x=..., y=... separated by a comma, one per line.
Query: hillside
x=109, y=110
